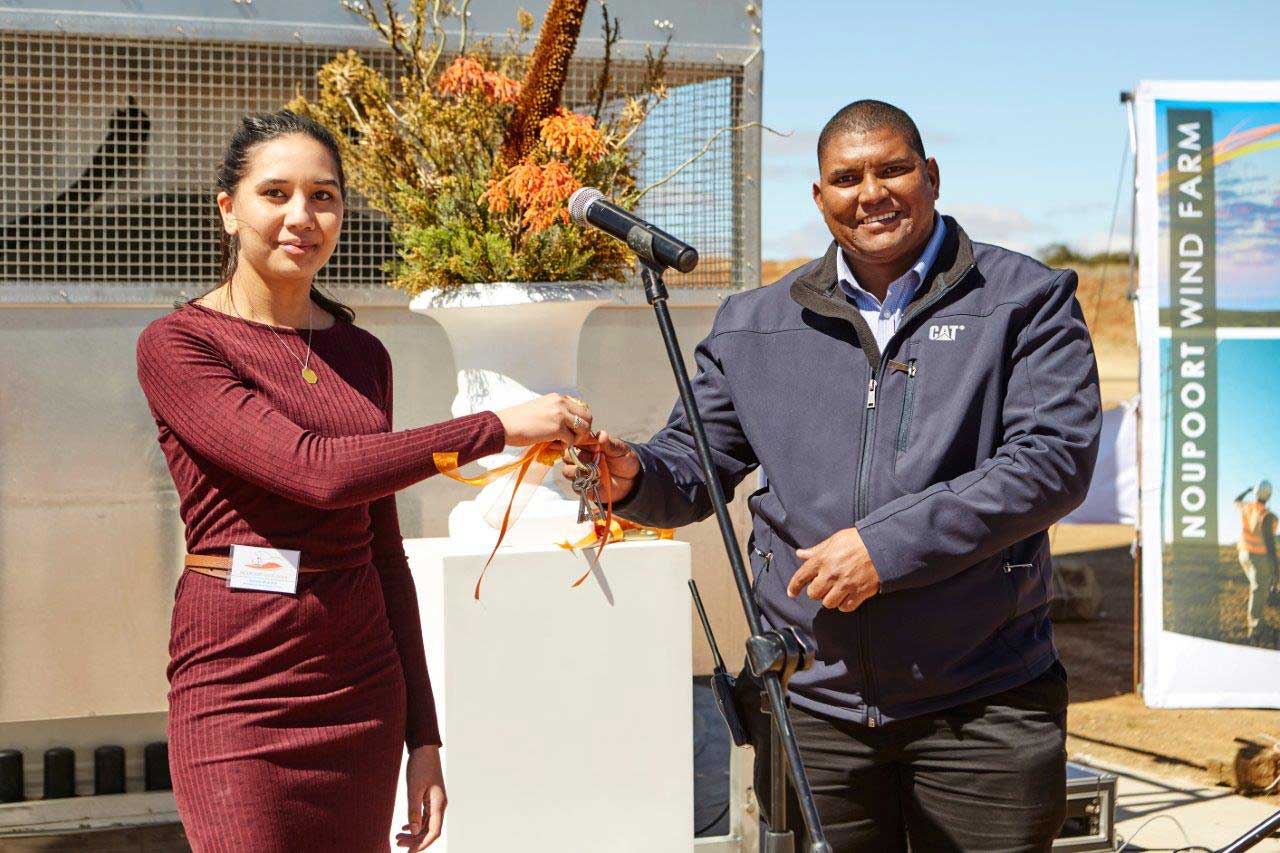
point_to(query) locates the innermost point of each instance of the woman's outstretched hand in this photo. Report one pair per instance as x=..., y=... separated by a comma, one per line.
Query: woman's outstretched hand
x=425, y=784
x=551, y=417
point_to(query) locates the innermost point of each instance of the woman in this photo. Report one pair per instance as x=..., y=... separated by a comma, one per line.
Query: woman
x=288, y=713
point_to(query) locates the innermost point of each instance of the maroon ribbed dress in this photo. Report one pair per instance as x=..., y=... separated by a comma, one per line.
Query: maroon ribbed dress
x=288, y=714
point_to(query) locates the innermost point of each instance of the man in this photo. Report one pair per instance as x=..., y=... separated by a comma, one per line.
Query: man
x=924, y=408
x=1257, y=551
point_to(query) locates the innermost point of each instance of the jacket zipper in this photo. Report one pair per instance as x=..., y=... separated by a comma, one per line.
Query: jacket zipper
x=907, y=403
x=864, y=475
x=860, y=497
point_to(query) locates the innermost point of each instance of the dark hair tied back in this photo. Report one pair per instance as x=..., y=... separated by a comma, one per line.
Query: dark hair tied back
x=254, y=130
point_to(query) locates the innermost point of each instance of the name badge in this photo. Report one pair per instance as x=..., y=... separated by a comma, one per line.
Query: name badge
x=264, y=569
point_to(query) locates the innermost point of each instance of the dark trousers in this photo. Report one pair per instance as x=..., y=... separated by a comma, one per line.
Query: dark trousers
x=985, y=775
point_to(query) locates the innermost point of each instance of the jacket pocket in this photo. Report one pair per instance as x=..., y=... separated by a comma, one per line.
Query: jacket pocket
x=908, y=406
x=761, y=561
x=1018, y=577
x=908, y=369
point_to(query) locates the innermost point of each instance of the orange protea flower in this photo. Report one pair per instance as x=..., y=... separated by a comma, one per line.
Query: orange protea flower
x=463, y=76
x=466, y=76
x=501, y=88
x=572, y=135
x=520, y=182
x=541, y=190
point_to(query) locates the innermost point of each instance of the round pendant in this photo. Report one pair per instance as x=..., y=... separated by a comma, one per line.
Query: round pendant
x=310, y=376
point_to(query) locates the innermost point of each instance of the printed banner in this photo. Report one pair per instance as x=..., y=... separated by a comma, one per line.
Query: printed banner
x=1209, y=329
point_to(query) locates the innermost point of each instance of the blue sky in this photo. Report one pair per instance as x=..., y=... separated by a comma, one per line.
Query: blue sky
x=1018, y=101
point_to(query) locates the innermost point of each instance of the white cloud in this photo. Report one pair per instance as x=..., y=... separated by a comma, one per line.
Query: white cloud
x=988, y=218
x=808, y=241
x=795, y=145
x=1003, y=226
x=789, y=170
x=1096, y=208
x=789, y=158
x=932, y=137
x=1016, y=230
x=1096, y=242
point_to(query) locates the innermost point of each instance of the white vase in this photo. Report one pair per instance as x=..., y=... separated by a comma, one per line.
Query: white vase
x=513, y=342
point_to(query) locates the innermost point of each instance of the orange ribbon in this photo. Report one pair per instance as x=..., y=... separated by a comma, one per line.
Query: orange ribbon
x=620, y=530
x=528, y=471
x=539, y=458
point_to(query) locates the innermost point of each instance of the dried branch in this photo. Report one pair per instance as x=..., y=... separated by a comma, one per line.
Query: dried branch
x=437, y=49
x=388, y=31
x=360, y=122
x=419, y=10
x=611, y=37
x=655, y=88
x=655, y=67
x=396, y=37
x=462, y=15
x=702, y=151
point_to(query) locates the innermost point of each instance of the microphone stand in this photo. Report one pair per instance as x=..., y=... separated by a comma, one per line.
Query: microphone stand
x=774, y=656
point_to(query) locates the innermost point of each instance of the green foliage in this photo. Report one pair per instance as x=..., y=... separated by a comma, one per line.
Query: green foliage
x=1063, y=255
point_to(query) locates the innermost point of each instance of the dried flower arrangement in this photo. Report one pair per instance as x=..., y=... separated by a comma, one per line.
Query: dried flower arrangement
x=473, y=162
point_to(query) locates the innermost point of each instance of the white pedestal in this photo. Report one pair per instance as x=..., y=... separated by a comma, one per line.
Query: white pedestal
x=566, y=713
x=513, y=342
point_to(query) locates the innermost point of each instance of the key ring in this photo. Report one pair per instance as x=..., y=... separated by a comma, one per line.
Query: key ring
x=582, y=466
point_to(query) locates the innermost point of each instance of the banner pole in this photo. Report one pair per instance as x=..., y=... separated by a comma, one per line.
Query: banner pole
x=1126, y=98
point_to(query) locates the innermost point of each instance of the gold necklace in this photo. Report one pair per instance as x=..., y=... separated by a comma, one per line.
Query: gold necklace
x=308, y=375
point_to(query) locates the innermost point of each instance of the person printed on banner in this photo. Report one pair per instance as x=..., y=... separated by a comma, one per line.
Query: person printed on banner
x=1257, y=552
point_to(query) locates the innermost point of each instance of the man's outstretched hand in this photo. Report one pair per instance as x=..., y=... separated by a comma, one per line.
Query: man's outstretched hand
x=623, y=463
x=838, y=572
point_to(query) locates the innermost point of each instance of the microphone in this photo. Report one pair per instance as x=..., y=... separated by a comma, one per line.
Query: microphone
x=656, y=247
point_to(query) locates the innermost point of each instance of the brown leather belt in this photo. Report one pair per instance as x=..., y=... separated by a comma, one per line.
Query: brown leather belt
x=220, y=567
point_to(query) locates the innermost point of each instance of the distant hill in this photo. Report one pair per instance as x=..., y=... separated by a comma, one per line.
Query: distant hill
x=771, y=271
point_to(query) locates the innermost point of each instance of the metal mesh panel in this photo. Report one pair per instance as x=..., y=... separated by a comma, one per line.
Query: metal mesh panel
x=109, y=145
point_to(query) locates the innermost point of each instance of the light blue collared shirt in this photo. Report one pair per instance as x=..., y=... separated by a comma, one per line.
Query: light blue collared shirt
x=883, y=318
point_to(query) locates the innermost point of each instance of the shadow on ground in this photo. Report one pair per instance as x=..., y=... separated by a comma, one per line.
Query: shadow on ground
x=1098, y=654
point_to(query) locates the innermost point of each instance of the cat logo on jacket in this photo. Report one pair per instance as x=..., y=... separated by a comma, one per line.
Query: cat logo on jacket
x=944, y=333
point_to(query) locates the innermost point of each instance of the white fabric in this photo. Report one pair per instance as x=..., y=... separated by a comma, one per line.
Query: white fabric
x=1113, y=494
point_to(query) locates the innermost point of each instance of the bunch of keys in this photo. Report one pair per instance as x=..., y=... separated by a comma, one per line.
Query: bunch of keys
x=586, y=485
